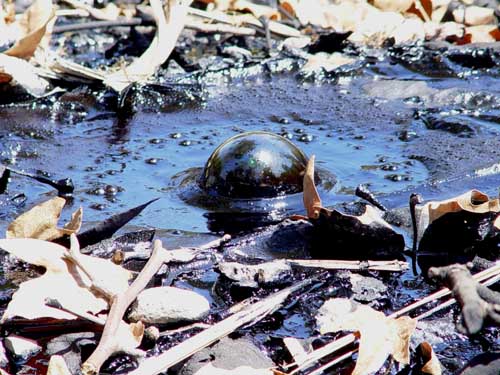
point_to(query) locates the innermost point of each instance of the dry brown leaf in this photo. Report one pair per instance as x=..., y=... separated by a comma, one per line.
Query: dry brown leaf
x=495, y=33
x=380, y=336
x=109, y=13
x=22, y=73
x=170, y=21
x=431, y=366
x=422, y=9
x=393, y=5
x=57, y=366
x=471, y=201
x=62, y=281
x=256, y=9
x=36, y=25
x=481, y=33
x=210, y=369
x=41, y=222
x=312, y=201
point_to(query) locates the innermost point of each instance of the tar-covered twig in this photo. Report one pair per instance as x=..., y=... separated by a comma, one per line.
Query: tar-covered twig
x=363, y=192
x=63, y=186
x=414, y=200
x=478, y=302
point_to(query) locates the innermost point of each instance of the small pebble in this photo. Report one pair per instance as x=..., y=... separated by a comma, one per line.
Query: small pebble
x=175, y=135
x=152, y=161
x=185, y=143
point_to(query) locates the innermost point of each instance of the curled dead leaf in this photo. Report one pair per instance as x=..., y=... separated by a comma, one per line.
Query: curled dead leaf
x=19, y=72
x=170, y=21
x=41, y=222
x=256, y=9
x=36, y=26
x=312, y=201
x=62, y=281
x=380, y=336
x=431, y=364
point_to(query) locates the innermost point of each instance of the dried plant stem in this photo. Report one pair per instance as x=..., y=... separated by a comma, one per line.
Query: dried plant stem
x=353, y=265
x=119, y=303
x=251, y=314
x=486, y=277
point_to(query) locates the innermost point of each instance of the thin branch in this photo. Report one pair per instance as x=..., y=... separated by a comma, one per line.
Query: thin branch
x=486, y=277
x=109, y=343
x=251, y=314
x=354, y=265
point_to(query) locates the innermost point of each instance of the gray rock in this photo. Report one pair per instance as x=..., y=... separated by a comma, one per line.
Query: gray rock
x=21, y=347
x=228, y=354
x=252, y=275
x=164, y=305
x=70, y=347
x=367, y=289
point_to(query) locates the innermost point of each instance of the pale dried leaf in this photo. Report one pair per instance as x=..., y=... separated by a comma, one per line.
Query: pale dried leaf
x=57, y=366
x=130, y=335
x=36, y=25
x=210, y=369
x=380, y=336
x=474, y=15
x=23, y=74
x=256, y=9
x=109, y=13
x=432, y=366
x=328, y=62
x=393, y=5
x=169, y=24
x=62, y=281
x=312, y=201
x=41, y=222
x=438, y=13
x=481, y=33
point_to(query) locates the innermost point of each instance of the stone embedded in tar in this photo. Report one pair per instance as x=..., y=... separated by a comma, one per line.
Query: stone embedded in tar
x=21, y=347
x=164, y=305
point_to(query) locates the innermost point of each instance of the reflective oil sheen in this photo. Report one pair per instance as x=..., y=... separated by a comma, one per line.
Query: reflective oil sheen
x=254, y=165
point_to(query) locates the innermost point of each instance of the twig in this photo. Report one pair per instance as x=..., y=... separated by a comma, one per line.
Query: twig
x=251, y=314
x=363, y=192
x=414, y=200
x=489, y=276
x=98, y=25
x=219, y=28
x=354, y=265
x=109, y=343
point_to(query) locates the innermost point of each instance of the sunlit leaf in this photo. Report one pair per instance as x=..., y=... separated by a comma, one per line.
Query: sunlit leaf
x=36, y=24
x=41, y=222
x=431, y=364
x=170, y=21
x=62, y=281
x=16, y=71
x=312, y=201
x=380, y=336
